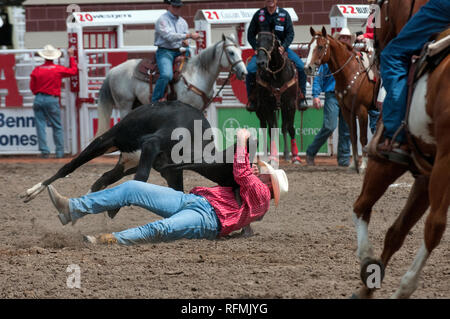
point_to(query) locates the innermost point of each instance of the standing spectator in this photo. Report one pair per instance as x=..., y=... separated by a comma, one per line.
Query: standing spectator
x=325, y=82
x=45, y=83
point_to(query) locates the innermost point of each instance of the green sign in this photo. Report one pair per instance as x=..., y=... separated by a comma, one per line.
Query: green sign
x=306, y=127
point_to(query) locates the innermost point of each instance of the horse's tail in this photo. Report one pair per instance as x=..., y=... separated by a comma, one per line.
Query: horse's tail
x=104, y=108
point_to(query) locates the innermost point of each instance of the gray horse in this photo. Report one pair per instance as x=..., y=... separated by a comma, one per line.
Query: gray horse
x=123, y=91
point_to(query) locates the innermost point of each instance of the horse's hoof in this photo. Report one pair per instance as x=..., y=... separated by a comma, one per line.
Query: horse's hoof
x=366, y=273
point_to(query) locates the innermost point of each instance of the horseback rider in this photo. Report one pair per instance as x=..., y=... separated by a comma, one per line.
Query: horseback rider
x=171, y=33
x=432, y=18
x=279, y=21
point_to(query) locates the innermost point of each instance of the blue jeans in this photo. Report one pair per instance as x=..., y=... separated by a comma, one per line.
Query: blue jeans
x=252, y=68
x=373, y=118
x=164, y=59
x=331, y=112
x=46, y=109
x=396, y=59
x=185, y=215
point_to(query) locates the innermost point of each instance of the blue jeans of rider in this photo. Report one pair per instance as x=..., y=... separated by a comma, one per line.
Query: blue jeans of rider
x=46, y=110
x=252, y=68
x=185, y=215
x=331, y=113
x=396, y=59
x=164, y=60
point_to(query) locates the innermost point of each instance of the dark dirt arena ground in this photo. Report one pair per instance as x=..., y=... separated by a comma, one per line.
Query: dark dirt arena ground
x=304, y=249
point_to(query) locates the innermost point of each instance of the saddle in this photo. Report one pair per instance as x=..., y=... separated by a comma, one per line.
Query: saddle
x=147, y=71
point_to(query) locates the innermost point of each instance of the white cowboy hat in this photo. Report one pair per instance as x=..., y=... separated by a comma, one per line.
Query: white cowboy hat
x=345, y=31
x=279, y=180
x=50, y=52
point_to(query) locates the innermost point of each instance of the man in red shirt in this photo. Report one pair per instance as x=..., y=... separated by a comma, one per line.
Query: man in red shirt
x=45, y=83
x=206, y=212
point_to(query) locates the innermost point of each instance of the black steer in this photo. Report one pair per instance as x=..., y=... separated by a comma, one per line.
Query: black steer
x=144, y=139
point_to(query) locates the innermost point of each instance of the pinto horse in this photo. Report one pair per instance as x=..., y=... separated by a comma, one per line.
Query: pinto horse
x=354, y=90
x=276, y=88
x=428, y=133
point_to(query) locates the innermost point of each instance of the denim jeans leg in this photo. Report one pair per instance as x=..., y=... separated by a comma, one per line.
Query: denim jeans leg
x=373, y=118
x=330, y=114
x=300, y=68
x=395, y=60
x=197, y=221
x=343, y=154
x=54, y=117
x=40, y=122
x=164, y=59
x=250, y=79
x=163, y=201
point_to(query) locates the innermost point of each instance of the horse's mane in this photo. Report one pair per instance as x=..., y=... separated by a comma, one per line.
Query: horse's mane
x=204, y=58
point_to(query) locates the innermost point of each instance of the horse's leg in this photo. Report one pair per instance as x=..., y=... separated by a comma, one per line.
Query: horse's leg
x=263, y=125
x=290, y=127
x=273, y=129
x=435, y=224
x=378, y=177
x=284, y=130
x=363, y=127
x=414, y=209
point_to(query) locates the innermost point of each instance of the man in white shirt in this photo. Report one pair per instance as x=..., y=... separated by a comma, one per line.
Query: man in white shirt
x=171, y=33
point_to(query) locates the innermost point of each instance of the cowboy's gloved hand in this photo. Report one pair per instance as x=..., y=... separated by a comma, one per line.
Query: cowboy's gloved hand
x=281, y=49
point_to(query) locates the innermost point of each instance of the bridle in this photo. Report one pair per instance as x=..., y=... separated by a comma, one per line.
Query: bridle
x=269, y=53
x=276, y=91
x=207, y=100
x=233, y=64
x=327, y=45
x=324, y=54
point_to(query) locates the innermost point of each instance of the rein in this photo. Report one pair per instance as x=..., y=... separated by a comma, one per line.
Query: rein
x=269, y=54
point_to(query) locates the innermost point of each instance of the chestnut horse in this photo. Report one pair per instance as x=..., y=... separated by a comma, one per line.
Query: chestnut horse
x=429, y=127
x=276, y=88
x=354, y=90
